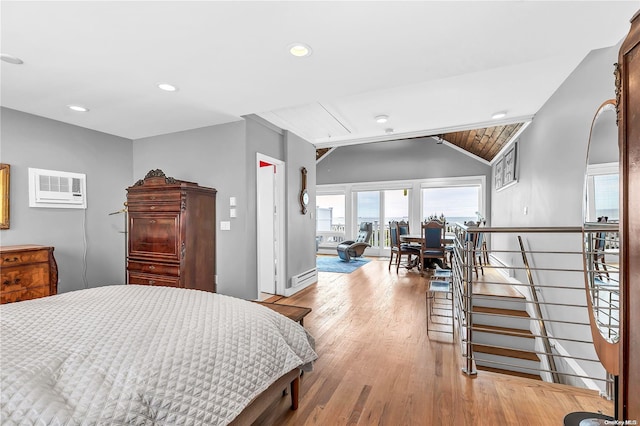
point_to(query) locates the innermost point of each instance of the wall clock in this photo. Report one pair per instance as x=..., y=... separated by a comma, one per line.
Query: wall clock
x=304, y=195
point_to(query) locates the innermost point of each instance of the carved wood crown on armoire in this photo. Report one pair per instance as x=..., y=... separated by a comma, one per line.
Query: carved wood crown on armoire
x=172, y=240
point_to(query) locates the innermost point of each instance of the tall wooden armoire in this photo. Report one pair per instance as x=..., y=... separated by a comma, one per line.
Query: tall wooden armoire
x=628, y=97
x=172, y=233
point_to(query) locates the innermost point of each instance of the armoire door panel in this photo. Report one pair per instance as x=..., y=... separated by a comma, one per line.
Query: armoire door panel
x=154, y=235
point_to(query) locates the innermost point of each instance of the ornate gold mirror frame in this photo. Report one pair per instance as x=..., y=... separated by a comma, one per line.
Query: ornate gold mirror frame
x=4, y=195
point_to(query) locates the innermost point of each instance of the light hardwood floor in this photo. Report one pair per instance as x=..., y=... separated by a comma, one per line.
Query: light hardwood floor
x=378, y=366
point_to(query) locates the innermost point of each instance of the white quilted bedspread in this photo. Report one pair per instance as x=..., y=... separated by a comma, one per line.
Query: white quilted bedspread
x=140, y=355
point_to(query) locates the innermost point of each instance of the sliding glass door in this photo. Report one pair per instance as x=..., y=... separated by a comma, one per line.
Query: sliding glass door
x=330, y=220
x=342, y=208
x=379, y=208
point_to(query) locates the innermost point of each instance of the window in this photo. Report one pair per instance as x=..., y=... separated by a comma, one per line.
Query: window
x=457, y=203
x=343, y=207
x=368, y=210
x=603, y=192
x=396, y=207
x=606, y=189
x=330, y=219
x=379, y=208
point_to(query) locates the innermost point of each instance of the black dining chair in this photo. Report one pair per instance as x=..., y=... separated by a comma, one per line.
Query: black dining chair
x=432, y=249
x=398, y=249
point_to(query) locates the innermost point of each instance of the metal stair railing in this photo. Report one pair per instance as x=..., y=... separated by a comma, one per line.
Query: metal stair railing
x=555, y=300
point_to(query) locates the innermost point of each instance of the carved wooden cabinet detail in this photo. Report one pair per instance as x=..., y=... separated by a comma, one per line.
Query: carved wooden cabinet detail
x=27, y=272
x=172, y=237
x=628, y=96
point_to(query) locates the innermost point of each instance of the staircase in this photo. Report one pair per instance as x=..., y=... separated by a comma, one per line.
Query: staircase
x=502, y=338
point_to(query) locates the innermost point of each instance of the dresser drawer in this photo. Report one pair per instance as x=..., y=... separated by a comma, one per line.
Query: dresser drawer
x=8, y=259
x=153, y=197
x=153, y=268
x=28, y=294
x=149, y=279
x=173, y=206
x=24, y=277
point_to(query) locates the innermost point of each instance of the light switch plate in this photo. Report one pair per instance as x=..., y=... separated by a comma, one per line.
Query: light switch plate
x=225, y=225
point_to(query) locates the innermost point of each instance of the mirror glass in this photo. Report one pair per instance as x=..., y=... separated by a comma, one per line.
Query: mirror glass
x=601, y=219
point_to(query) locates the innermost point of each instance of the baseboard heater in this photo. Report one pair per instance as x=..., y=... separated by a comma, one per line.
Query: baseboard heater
x=305, y=278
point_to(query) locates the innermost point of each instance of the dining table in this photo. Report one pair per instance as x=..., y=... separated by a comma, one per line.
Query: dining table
x=415, y=240
x=449, y=238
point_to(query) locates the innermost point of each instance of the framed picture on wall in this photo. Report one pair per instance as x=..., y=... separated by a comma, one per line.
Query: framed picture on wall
x=498, y=172
x=510, y=159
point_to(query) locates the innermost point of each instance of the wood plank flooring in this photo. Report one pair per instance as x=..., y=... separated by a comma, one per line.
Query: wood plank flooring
x=378, y=366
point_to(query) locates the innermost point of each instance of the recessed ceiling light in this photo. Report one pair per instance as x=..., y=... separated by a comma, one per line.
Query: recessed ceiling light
x=498, y=115
x=382, y=119
x=300, y=50
x=78, y=108
x=11, y=59
x=167, y=87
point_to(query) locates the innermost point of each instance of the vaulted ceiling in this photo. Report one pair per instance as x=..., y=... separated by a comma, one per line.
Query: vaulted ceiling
x=433, y=67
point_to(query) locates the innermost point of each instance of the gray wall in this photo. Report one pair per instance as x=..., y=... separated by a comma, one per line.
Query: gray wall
x=553, y=150
x=397, y=160
x=214, y=157
x=301, y=228
x=224, y=157
x=296, y=152
x=552, y=154
x=32, y=141
x=268, y=141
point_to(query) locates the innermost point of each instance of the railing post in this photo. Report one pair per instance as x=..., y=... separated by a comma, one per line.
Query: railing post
x=555, y=377
x=469, y=369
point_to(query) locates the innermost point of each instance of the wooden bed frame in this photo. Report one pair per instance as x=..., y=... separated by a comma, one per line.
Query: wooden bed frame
x=263, y=401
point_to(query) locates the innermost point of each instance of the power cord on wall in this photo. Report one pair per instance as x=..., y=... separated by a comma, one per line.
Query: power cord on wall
x=84, y=250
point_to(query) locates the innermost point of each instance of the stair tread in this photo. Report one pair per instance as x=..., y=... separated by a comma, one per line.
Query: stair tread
x=500, y=311
x=511, y=353
x=509, y=372
x=516, y=332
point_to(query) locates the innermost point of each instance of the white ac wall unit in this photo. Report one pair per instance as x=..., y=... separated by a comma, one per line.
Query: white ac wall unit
x=55, y=189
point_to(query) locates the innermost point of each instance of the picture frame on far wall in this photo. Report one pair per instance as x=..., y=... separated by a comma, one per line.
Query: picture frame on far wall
x=509, y=166
x=506, y=168
x=498, y=173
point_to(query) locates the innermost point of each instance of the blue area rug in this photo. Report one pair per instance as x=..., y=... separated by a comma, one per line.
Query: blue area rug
x=335, y=264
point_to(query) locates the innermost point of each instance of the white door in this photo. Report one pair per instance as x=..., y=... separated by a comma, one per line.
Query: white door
x=270, y=198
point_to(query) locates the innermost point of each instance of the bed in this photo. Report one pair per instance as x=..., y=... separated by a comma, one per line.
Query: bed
x=143, y=355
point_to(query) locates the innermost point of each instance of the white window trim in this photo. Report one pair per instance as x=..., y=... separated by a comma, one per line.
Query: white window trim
x=415, y=202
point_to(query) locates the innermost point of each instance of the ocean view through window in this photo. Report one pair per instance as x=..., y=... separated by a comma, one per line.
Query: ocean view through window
x=458, y=204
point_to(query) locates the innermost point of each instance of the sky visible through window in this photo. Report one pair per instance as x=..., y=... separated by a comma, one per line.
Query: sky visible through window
x=458, y=204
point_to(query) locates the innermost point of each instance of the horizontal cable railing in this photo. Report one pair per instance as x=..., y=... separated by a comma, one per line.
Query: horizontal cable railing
x=545, y=325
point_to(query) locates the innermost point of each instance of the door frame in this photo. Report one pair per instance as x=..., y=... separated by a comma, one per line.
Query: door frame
x=279, y=205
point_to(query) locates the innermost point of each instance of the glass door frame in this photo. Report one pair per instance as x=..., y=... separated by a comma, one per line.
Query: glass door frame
x=414, y=187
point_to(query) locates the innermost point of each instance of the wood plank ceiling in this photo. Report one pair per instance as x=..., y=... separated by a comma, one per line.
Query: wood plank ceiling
x=485, y=143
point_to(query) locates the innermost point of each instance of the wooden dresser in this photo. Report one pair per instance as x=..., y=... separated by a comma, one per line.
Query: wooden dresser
x=27, y=272
x=172, y=240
